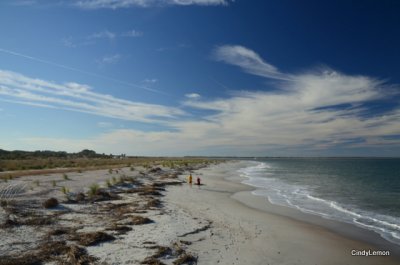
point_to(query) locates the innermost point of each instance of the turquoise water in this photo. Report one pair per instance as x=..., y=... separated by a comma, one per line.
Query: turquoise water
x=365, y=192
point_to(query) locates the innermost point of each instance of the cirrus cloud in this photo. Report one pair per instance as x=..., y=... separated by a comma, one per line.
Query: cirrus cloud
x=115, y=4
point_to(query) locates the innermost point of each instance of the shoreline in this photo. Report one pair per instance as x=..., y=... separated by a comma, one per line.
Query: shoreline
x=295, y=235
x=152, y=216
x=346, y=230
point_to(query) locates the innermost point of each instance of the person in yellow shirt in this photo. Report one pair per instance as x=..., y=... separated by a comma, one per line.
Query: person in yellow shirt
x=190, y=178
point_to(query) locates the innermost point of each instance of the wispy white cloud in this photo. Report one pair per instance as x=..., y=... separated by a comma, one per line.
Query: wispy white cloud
x=68, y=42
x=104, y=124
x=109, y=59
x=24, y=2
x=304, y=110
x=249, y=61
x=193, y=96
x=100, y=35
x=80, y=98
x=121, y=82
x=115, y=4
x=105, y=34
x=150, y=80
x=132, y=33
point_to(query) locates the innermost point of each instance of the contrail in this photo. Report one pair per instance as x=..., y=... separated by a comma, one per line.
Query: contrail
x=79, y=70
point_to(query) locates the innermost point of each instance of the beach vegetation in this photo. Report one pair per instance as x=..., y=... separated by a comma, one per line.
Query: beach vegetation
x=64, y=190
x=186, y=258
x=120, y=229
x=57, y=252
x=93, y=189
x=140, y=220
x=153, y=203
x=121, y=180
x=3, y=203
x=108, y=183
x=80, y=197
x=50, y=203
x=93, y=238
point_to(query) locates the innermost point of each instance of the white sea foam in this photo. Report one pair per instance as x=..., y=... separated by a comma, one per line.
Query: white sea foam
x=301, y=197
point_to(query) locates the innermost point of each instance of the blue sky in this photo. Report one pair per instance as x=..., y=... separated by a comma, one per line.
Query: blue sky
x=201, y=77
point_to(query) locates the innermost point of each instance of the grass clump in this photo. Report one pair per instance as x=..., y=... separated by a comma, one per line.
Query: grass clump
x=152, y=261
x=186, y=258
x=109, y=184
x=153, y=203
x=140, y=220
x=61, y=253
x=64, y=190
x=79, y=256
x=65, y=176
x=94, y=238
x=54, y=183
x=59, y=231
x=50, y=203
x=3, y=203
x=93, y=189
x=37, y=221
x=121, y=180
x=120, y=229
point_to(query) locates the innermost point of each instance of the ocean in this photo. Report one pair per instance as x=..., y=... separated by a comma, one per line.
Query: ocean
x=361, y=191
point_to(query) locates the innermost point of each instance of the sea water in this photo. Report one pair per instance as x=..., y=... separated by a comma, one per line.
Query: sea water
x=361, y=191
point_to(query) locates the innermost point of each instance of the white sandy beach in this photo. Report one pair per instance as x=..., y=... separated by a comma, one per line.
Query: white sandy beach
x=208, y=224
x=242, y=234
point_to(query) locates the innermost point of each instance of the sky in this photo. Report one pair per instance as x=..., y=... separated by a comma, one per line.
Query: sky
x=201, y=77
